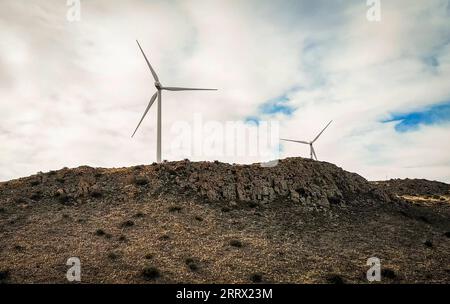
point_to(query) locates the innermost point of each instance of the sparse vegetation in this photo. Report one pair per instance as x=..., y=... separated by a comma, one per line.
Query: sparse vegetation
x=192, y=264
x=100, y=232
x=113, y=255
x=150, y=273
x=226, y=209
x=62, y=196
x=19, y=248
x=140, y=180
x=256, y=278
x=35, y=183
x=388, y=273
x=335, y=279
x=428, y=244
x=95, y=192
x=175, y=209
x=4, y=276
x=236, y=243
x=127, y=223
x=36, y=195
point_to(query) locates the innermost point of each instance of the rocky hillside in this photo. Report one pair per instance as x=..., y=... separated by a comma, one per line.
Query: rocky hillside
x=301, y=221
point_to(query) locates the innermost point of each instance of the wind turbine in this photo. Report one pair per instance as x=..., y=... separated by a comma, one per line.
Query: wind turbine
x=159, y=89
x=311, y=148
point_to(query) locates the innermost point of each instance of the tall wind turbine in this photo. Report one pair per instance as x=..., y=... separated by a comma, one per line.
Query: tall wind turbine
x=159, y=89
x=311, y=148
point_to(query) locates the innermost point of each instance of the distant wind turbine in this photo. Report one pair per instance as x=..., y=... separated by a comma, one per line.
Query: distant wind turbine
x=312, y=152
x=159, y=89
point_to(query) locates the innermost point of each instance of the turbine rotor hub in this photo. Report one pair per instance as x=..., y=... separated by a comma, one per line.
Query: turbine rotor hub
x=158, y=85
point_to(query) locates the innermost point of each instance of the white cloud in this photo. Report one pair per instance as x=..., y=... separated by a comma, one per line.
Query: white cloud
x=72, y=93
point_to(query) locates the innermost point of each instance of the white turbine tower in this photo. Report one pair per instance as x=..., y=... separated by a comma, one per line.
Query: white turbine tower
x=159, y=89
x=312, y=152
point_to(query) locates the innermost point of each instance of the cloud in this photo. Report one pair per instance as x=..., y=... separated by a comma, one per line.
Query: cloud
x=72, y=93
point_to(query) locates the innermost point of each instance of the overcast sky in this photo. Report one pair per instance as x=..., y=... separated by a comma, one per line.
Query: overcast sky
x=71, y=93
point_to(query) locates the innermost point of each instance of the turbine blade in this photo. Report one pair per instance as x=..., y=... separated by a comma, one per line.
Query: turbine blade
x=148, y=63
x=313, y=152
x=296, y=141
x=321, y=132
x=152, y=100
x=186, y=89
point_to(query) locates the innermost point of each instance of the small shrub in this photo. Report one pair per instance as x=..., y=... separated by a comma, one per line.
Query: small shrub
x=148, y=256
x=19, y=248
x=191, y=263
x=138, y=215
x=150, y=273
x=63, y=198
x=113, y=256
x=164, y=237
x=256, y=278
x=141, y=180
x=253, y=204
x=236, y=243
x=35, y=182
x=2, y=210
x=127, y=223
x=175, y=209
x=4, y=275
x=100, y=232
x=199, y=218
x=226, y=209
x=428, y=244
x=335, y=279
x=95, y=193
x=388, y=273
x=123, y=238
x=424, y=219
x=36, y=195
x=447, y=234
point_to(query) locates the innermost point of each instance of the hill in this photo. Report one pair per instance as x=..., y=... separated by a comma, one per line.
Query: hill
x=301, y=221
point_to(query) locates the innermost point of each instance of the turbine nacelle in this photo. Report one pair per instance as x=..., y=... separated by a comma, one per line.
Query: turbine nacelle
x=158, y=85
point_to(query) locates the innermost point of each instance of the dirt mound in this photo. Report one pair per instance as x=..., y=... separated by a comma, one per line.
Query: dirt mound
x=311, y=183
x=414, y=187
x=301, y=221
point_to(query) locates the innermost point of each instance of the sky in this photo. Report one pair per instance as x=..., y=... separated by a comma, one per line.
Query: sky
x=72, y=91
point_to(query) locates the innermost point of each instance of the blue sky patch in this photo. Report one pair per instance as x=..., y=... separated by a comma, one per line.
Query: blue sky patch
x=277, y=105
x=432, y=115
